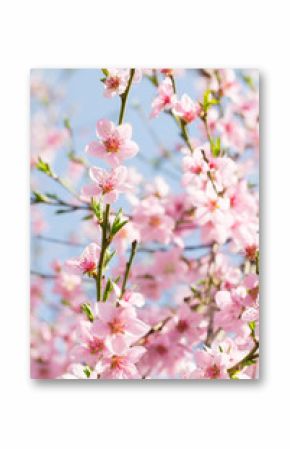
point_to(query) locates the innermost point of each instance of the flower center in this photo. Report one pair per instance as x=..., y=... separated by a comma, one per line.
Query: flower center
x=161, y=349
x=213, y=205
x=95, y=345
x=117, y=327
x=113, y=82
x=196, y=170
x=213, y=372
x=112, y=144
x=251, y=252
x=182, y=326
x=88, y=266
x=189, y=116
x=169, y=268
x=154, y=221
x=166, y=100
x=229, y=128
x=107, y=186
x=116, y=362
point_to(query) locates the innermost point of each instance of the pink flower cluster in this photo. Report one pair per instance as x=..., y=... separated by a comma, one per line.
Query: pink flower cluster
x=176, y=276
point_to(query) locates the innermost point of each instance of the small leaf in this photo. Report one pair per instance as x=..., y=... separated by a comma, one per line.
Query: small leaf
x=86, y=308
x=105, y=72
x=52, y=196
x=67, y=124
x=108, y=289
x=97, y=208
x=39, y=197
x=118, y=227
x=62, y=211
x=87, y=217
x=108, y=257
x=252, y=326
x=215, y=146
x=43, y=167
x=118, y=223
x=87, y=371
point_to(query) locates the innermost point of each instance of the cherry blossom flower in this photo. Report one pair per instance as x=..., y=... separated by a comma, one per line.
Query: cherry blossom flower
x=152, y=221
x=210, y=365
x=67, y=285
x=115, y=143
x=186, y=109
x=121, y=361
x=91, y=347
x=165, y=99
x=107, y=185
x=117, y=322
x=211, y=207
x=116, y=82
x=85, y=264
x=169, y=267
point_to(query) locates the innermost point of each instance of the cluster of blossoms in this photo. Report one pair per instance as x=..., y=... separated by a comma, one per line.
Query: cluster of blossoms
x=171, y=288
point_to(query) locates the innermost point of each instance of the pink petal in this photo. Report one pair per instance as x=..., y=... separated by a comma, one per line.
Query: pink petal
x=106, y=312
x=95, y=149
x=134, y=354
x=124, y=131
x=105, y=128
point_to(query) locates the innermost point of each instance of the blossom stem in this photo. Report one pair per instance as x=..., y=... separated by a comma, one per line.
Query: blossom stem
x=173, y=83
x=124, y=97
x=209, y=175
x=104, y=246
x=248, y=358
x=128, y=266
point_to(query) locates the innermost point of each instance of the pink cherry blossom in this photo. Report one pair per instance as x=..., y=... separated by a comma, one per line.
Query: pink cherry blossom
x=186, y=109
x=116, y=82
x=117, y=322
x=87, y=262
x=210, y=365
x=107, y=185
x=165, y=98
x=152, y=222
x=120, y=363
x=115, y=143
x=169, y=266
x=91, y=348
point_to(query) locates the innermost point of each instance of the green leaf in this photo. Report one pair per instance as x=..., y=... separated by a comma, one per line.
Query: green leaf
x=86, y=308
x=52, y=196
x=43, y=167
x=119, y=226
x=39, y=197
x=252, y=325
x=249, y=81
x=87, y=217
x=116, y=280
x=87, y=371
x=209, y=100
x=118, y=223
x=105, y=72
x=67, y=124
x=215, y=146
x=108, y=257
x=62, y=211
x=108, y=289
x=249, y=362
x=97, y=209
